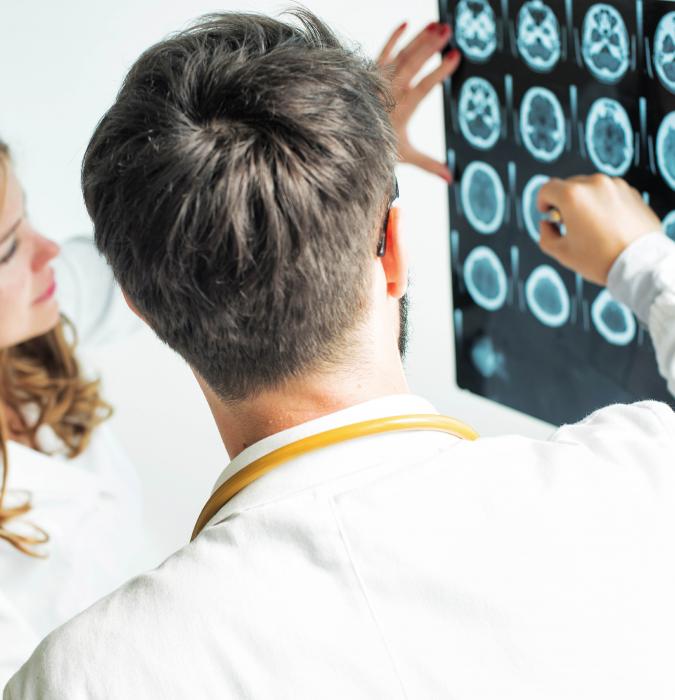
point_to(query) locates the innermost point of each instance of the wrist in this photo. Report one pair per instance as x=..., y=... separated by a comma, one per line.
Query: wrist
x=631, y=279
x=617, y=247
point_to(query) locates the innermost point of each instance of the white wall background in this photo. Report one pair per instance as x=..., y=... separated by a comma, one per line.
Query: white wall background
x=61, y=64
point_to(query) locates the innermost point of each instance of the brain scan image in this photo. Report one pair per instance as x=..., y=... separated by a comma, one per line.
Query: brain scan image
x=542, y=124
x=476, y=29
x=664, y=51
x=552, y=88
x=487, y=359
x=669, y=225
x=531, y=215
x=547, y=297
x=538, y=36
x=609, y=137
x=605, y=44
x=485, y=278
x=483, y=197
x=665, y=149
x=615, y=323
x=479, y=113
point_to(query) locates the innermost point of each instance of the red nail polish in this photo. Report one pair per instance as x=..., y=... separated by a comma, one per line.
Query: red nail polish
x=431, y=27
x=403, y=26
x=443, y=29
x=452, y=55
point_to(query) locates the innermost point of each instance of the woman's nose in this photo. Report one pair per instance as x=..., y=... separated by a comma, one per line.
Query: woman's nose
x=45, y=250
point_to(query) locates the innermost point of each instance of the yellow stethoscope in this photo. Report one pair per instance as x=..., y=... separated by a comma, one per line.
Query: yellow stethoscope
x=274, y=459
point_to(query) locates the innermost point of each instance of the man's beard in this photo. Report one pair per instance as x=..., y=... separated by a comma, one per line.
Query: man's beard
x=403, y=326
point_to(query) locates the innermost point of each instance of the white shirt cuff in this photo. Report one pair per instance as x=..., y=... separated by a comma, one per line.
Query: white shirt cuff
x=636, y=278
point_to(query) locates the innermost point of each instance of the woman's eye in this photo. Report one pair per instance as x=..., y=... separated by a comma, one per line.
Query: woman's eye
x=8, y=255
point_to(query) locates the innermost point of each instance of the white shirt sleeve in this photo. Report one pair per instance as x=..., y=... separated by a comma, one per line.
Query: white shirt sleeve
x=89, y=296
x=643, y=278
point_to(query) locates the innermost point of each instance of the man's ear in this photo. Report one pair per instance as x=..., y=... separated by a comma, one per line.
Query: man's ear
x=132, y=306
x=395, y=258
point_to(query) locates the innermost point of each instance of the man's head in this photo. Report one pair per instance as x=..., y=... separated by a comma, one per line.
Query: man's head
x=238, y=187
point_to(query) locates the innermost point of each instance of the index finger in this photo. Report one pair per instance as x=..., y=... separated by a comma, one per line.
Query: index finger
x=556, y=193
x=423, y=47
x=551, y=194
x=385, y=54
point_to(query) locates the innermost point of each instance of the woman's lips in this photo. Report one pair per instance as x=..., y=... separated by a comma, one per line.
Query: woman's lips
x=48, y=294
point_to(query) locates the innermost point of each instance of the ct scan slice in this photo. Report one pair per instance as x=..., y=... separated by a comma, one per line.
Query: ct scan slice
x=605, y=43
x=547, y=297
x=485, y=278
x=538, y=36
x=483, y=197
x=664, y=51
x=531, y=214
x=669, y=225
x=665, y=149
x=542, y=124
x=487, y=360
x=476, y=29
x=615, y=323
x=609, y=137
x=479, y=113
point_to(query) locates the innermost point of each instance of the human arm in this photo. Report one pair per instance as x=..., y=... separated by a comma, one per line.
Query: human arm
x=89, y=296
x=408, y=89
x=615, y=240
x=643, y=278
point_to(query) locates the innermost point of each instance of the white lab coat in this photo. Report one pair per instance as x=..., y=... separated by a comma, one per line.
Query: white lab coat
x=90, y=506
x=411, y=565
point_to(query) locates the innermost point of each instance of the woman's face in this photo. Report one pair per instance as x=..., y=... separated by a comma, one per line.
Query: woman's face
x=28, y=306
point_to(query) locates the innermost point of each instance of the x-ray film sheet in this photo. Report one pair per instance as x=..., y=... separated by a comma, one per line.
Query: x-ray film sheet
x=552, y=88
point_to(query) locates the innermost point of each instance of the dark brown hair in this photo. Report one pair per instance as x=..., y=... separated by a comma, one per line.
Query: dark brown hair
x=237, y=188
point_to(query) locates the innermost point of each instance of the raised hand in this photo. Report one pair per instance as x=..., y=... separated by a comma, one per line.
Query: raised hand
x=409, y=89
x=602, y=216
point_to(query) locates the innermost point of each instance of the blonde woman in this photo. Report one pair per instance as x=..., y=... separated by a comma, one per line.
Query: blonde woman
x=68, y=494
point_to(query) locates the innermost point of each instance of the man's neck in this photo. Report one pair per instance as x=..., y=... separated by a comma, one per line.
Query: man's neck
x=246, y=422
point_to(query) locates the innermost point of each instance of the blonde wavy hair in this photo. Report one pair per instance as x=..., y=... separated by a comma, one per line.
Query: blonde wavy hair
x=42, y=373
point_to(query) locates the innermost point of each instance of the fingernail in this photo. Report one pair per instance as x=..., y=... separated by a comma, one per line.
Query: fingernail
x=403, y=26
x=431, y=27
x=443, y=29
x=451, y=55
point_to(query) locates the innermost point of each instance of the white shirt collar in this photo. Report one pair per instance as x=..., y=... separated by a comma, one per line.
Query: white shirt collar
x=398, y=404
